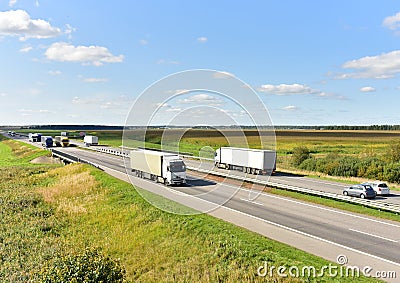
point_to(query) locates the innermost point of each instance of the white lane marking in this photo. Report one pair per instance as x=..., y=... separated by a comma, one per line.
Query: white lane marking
x=372, y=235
x=251, y=201
x=321, y=182
x=311, y=205
x=285, y=227
x=323, y=208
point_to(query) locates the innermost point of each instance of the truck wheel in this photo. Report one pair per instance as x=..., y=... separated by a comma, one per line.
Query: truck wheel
x=248, y=170
x=244, y=169
x=253, y=171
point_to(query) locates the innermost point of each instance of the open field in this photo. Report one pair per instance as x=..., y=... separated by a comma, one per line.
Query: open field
x=52, y=211
x=318, y=141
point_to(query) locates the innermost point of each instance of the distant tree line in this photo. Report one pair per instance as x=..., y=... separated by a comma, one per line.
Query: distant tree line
x=74, y=127
x=278, y=127
x=369, y=128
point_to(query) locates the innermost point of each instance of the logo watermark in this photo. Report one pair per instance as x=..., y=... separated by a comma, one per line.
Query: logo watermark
x=339, y=270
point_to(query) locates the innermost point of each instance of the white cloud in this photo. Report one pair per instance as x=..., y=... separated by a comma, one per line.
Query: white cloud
x=143, y=42
x=19, y=23
x=54, y=73
x=286, y=89
x=94, y=80
x=290, y=108
x=26, y=49
x=120, y=102
x=202, y=39
x=3, y=94
x=202, y=99
x=94, y=55
x=392, y=22
x=12, y=2
x=31, y=111
x=383, y=66
x=367, y=89
x=69, y=30
x=167, y=107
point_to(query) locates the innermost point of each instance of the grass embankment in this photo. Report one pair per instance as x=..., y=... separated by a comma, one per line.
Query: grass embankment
x=50, y=211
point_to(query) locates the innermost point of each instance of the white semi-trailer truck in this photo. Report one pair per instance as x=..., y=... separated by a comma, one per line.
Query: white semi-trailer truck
x=167, y=168
x=254, y=161
x=34, y=137
x=91, y=140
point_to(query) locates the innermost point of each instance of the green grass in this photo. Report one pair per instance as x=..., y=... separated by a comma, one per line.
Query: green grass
x=13, y=153
x=49, y=211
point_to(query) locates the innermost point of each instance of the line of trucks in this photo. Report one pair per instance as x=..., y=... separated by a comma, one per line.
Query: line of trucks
x=49, y=141
x=169, y=168
x=62, y=140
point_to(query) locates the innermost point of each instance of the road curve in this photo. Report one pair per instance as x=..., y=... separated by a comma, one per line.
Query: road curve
x=374, y=238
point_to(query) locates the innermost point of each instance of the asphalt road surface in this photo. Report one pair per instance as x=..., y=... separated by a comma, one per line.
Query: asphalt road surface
x=376, y=237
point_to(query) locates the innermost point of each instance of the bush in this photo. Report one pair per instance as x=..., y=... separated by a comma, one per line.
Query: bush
x=309, y=164
x=393, y=153
x=372, y=168
x=347, y=166
x=392, y=172
x=89, y=266
x=299, y=155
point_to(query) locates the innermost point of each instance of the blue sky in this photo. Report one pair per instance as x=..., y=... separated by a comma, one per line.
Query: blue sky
x=311, y=62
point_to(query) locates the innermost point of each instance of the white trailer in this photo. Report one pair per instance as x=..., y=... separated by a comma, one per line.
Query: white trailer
x=167, y=168
x=34, y=137
x=91, y=140
x=254, y=161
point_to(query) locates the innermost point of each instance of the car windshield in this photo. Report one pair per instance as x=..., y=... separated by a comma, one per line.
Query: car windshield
x=382, y=185
x=177, y=167
x=368, y=187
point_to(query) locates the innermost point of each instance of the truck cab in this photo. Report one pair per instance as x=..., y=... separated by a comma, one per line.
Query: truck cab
x=176, y=171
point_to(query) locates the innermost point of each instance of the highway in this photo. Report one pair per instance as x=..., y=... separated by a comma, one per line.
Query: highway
x=323, y=231
x=379, y=239
x=293, y=180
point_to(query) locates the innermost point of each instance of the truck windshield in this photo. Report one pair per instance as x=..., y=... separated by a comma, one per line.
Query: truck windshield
x=177, y=167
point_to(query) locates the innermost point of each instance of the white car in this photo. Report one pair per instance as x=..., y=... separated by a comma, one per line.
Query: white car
x=380, y=188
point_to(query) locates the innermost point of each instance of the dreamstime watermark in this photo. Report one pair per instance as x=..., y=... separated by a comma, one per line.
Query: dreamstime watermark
x=172, y=110
x=341, y=270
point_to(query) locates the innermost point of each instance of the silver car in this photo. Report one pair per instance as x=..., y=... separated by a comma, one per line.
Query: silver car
x=362, y=191
x=380, y=188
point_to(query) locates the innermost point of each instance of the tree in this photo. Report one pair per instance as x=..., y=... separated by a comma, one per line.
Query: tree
x=300, y=154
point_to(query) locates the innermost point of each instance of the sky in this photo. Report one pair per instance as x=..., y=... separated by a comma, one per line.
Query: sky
x=91, y=62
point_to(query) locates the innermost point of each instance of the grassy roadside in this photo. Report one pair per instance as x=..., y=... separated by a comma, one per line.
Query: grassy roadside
x=48, y=211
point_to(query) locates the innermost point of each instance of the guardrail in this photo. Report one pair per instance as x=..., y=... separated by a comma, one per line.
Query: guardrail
x=69, y=158
x=377, y=204
x=112, y=151
x=391, y=207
